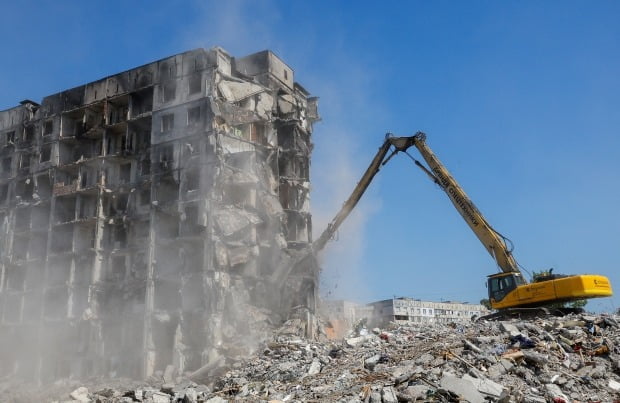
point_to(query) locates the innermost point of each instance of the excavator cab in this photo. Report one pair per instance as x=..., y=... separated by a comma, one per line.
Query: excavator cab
x=499, y=285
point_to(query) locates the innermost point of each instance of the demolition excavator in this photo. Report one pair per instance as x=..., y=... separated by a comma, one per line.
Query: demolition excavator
x=509, y=292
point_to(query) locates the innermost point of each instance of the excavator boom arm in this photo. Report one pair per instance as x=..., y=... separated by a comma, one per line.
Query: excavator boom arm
x=492, y=241
x=399, y=144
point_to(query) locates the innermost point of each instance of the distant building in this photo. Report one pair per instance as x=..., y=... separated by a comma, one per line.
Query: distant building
x=402, y=310
x=409, y=310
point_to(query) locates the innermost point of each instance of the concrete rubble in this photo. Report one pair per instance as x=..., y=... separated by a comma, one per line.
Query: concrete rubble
x=570, y=359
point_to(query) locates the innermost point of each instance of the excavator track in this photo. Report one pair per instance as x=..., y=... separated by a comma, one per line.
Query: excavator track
x=522, y=313
x=528, y=313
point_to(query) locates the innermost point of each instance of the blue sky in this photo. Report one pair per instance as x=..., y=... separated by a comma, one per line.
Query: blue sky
x=521, y=101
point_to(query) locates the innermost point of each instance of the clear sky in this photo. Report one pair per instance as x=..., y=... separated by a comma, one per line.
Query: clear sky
x=520, y=99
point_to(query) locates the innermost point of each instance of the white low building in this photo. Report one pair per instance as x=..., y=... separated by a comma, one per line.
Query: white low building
x=402, y=310
x=409, y=310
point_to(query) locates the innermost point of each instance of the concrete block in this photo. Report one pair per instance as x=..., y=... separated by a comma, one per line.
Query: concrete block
x=375, y=397
x=80, y=394
x=462, y=387
x=534, y=358
x=487, y=387
x=507, y=364
x=315, y=367
x=169, y=373
x=191, y=396
x=554, y=391
x=371, y=362
x=496, y=370
x=613, y=385
x=529, y=398
x=417, y=391
x=388, y=395
x=509, y=328
x=354, y=341
x=160, y=397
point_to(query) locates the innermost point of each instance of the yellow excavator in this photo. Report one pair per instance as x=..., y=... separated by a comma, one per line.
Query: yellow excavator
x=509, y=292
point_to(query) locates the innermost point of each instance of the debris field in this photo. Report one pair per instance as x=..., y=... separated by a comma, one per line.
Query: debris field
x=570, y=359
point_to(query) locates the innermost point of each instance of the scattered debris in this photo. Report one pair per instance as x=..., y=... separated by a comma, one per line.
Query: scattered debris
x=418, y=362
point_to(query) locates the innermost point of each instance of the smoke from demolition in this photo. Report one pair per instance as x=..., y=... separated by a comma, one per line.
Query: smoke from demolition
x=154, y=218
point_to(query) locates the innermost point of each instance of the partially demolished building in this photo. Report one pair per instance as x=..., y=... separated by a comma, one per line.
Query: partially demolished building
x=143, y=217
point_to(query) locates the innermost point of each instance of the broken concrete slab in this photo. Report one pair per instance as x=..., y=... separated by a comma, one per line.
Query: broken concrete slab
x=235, y=91
x=190, y=395
x=218, y=399
x=418, y=392
x=529, y=398
x=169, y=374
x=80, y=394
x=354, y=341
x=375, y=397
x=488, y=387
x=388, y=395
x=534, y=357
x=464, y=388
x=510, y=328
x=614, y=385
x=315, y=367
x=496, y=370
x=160, y=397
x=233, y=220
x=554, y=392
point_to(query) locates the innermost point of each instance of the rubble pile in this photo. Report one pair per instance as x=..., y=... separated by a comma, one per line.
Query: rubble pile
x=571, y=359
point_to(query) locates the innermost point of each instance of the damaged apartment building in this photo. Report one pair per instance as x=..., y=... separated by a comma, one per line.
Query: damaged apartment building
x=143, y=216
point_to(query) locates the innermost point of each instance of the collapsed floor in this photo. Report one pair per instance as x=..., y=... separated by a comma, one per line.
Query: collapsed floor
x=146, y=218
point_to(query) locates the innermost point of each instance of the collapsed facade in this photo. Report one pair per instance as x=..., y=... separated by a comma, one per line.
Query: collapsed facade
x=145, y=218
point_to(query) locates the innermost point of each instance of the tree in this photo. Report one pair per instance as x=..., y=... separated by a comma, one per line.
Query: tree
x=486, y=303
x=542, y=275
x=580, y=303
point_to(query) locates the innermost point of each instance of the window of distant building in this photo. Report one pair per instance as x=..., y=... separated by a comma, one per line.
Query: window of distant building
x=195, y=84
x=169, y=91
x=10, y=137
x=29, y=134
x=48, y=128
x=167, y=122
x=193, y=116
x=6, y=165
x=46, y=153
x=24, y=161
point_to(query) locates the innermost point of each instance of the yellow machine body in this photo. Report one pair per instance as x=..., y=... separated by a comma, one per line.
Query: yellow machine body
x=506, y=291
